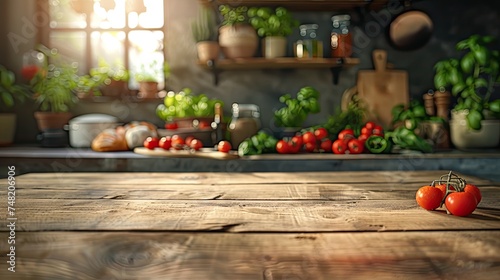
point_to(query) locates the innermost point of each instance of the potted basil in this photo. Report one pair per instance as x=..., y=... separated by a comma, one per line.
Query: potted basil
x=475, y=119
x=274, y=26
x=237, y=38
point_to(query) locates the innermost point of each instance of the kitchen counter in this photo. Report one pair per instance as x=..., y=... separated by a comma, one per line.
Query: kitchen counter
x=270, y=225
x=484, y=163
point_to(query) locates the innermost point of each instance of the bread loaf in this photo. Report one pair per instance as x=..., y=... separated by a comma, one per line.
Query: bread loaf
x=123, y=138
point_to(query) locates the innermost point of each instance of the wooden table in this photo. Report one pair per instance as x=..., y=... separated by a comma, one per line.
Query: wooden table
x=309, y=225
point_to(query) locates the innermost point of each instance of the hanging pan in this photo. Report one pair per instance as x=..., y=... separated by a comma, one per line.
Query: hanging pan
x=411, y=29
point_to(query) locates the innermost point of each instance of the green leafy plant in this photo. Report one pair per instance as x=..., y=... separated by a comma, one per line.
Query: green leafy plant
x=186, y=104
x=471, y=78
x=54, y=84
x=105, y=72
x=296, y=110
x=233, y=15
x=204, y=28
x=269, y=22
x=10, y=91
x=152, y=72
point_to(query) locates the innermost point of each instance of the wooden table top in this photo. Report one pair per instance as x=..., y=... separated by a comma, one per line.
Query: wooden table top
x=301, y=225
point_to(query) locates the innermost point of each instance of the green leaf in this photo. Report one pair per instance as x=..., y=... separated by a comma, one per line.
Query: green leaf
x=474, y=119
x=467, y=63
x=481, y=83
x=482, y=55
x=7, y=99
x=462, y=45
x=457, y=88
x=440, y=81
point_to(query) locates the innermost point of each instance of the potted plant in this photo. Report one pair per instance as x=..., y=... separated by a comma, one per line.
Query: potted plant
x=10, y=93
x=237, y=38
x=204, y=30
x=292, y=115
x=53, y=88
x=475, y=120
x=149, y=76
x=112, y=80
x=185, y=108
x=273, y=26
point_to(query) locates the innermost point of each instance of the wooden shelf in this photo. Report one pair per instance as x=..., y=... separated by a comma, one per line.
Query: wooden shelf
x=304, y=5
x=334, y=64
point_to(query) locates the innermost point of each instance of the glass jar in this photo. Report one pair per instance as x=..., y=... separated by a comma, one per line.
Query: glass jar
x=341, y=38
x=33, y=62
x=308, y=46
x=244, y=124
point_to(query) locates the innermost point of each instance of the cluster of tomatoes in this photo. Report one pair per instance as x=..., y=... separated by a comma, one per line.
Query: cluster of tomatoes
x=459, y=198
x=179, y=143
x=310, y=141
x=347, y=142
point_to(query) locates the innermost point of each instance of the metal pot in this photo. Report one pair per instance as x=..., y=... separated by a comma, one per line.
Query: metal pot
x=411, y=29
x=83, y=129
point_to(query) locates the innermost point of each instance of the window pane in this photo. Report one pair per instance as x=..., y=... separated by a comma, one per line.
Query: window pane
x=63, y=14
x=70, y=45
x=109, y=14
x=146, y=55
x=153, y=17
x=108, y=46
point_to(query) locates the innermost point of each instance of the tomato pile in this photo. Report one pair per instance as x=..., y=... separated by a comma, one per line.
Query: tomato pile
x=459, y=197
x=179, y=143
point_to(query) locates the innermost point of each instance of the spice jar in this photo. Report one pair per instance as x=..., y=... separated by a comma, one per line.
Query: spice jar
x=341, y=38
x=308, y=46
x=244, y=123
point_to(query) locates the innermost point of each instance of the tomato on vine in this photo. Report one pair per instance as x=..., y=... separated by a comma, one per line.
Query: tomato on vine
x=429, y=197
x=461, y=203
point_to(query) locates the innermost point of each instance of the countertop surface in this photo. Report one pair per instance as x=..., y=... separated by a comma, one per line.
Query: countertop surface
x=271, y=225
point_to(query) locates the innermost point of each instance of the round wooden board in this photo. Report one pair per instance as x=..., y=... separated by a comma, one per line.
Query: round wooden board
x=203, y=153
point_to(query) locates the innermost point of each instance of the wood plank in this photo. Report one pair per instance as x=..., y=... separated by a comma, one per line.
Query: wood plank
x=218, y=178
x=332, y=192
x=125, y=255
x=242, y=216
x=281, y=63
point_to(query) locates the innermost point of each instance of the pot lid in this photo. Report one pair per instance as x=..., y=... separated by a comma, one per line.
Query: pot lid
x=93, y=118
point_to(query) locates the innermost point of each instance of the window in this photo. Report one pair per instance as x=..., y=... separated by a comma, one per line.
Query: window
x=119, y=32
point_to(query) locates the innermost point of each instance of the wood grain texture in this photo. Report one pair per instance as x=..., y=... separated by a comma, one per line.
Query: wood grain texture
x=125, y=255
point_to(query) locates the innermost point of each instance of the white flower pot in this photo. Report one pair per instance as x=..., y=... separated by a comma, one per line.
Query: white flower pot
x=463, y=137
x=274, y=46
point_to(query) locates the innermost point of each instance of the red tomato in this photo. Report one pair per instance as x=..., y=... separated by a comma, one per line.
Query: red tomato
x=475, y=191
x=320, y=133
x=366, y=131
x=310, y=147
x=297, y=140
x=171, y=125
x=151, y=143
x=326, y=145
x=188, y=140
x=224, y=146
x=363, y=138
x=308, y=137
x=370, y=125
x=461, y=203
x=178, y=142
x=378, y=130
x=355, y=146
x=339, y=146
x=204, y=125
x=347, y=133
x=293, y=147
x=442, y=187
x=196, y=144
x=165, y=143
x=282, y=147
x=429, y=197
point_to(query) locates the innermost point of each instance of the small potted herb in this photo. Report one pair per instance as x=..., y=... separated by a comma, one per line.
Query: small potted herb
x=472, y=79
x=237, y=38
x=296, y=110
x=204, y=30
x=149, y=77
x=112, y=80
x=274, y=26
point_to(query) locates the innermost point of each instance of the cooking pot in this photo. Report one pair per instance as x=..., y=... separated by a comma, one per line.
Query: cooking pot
x=83, y=129
x=410, y=30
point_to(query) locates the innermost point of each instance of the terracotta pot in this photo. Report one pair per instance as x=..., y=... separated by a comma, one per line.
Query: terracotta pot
x=50, y=120
x=115, y=88
x=8, y=125
x=208, y=50
x=238, y=41
x=274, y=46
x=191, y=122
x=148, y=89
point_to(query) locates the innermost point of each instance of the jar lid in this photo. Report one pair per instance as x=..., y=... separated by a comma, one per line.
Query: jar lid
x=341, y=18
x=309, y=26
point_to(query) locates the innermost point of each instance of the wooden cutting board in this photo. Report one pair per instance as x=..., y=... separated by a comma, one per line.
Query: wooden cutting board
x=203, y=153
x=382, y=89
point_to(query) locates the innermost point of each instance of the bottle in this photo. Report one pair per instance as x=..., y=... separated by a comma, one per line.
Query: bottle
x=218, y=132
x=308, y=46
x=245, y=122
x=341, y=37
